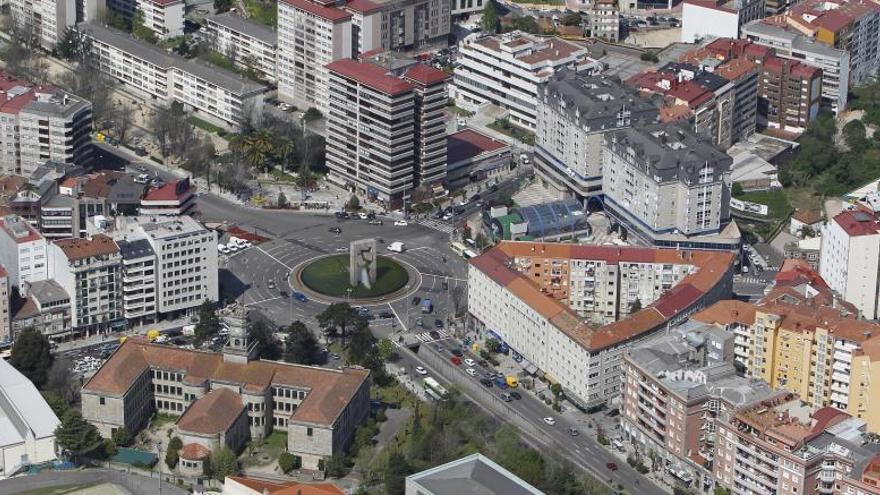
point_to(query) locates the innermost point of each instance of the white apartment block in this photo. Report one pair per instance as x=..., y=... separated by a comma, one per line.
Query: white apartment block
x=163, y=17
x=310, y=36
x=429, y=89
x=250, y=44
x=139, y=301
x=460, y=7
x=22, y=251
x=370, y=131
x=506, y=70
x=660, y=179
x=90, y=271
x=40, y=124
x=5, y=313
x=186, y=269
x=548, y=302
x=717, y=19
x=44, y=21
x=213, y=92
x=574, y=112
x=789, y=44
x=849, y=259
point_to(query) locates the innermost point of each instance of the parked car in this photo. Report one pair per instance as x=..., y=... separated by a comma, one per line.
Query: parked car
x=375, y=222
x=611, y=466
x=455, y=360
x=506, y=397
x=400, y=223
x=470, y=362
x=299, y=296
x=457, y=352
x=471, y=372
x=416, y=300
x=438, y=323
x=486, y=382
x=421, y=371
x=515, y=395
x=573, y=432
x=550, y=421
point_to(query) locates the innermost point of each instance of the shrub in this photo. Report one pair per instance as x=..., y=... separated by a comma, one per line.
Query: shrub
x=603, y=440
x=288, y=462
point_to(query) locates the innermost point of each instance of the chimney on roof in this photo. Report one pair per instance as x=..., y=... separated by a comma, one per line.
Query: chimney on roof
x=867, y=334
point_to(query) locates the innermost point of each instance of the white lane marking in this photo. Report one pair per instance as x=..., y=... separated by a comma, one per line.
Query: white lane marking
x=263, y=301
x=398, y=317
x=274, y=258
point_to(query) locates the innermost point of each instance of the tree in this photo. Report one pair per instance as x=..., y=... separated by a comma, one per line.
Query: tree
x=77, y=435
x=363, y=344
x=636, y=306
x=199, y=157
x=335, y=465
x=59, y=382
x=282, y=200
x=856, y=135
x=109, y=448
x=572, y=19
x=121, y=437
x=720, y=490
x=302, y=346
x=492, y=345
x=172, y=455
x=395, y=473
x=32, y=356
x=288, y=462
x=312, y=114
x=527, y=24
x=90, y=84
x=209, y=322
x=57, y=403
x=337, y=318
x=459, y=302
x=140, y=30
x=489, y=22
x=649, y=57
x=353, y=204
x=224, y=463
x=222, y=5
x=387, y=350
x=264, y=335
x=737, y=190
x=69, y=47
x=255, y=149
x=123, y=120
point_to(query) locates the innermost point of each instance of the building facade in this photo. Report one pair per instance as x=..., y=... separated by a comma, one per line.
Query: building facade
x=430, y=100
x=661, y=179
x=548, y=303
x=251, y=44
x=605, y=20
x=717, y=18
x=163, y=17
x=215, y=93
x=574, y=111
x=44, y=22
x=46, y=307
x=506, y=70
x=23, y=251
x=850, y=259
x=29, y=423
x=5, y=306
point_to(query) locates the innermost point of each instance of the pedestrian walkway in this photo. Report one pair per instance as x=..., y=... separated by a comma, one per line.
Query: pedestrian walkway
x=427, y=338
x=535, y=194
x=750, y=280
x=435, y=224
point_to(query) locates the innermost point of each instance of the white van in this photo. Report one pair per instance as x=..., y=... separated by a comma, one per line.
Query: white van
x=396, y=247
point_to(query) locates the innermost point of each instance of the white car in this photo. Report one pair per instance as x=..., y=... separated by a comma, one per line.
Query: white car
x=421, y=371
x=244, y=244
x=362, y=216
x=232, y=247
x=469, y=362
x=550, y=421
x=400, y=223
x=222, y=249
x=471, y=372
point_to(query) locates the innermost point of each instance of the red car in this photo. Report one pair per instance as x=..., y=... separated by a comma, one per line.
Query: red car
x=611, y=466
x=455, y=360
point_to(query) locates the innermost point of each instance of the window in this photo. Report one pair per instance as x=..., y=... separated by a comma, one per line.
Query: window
x=101, y=401
x=308, y=432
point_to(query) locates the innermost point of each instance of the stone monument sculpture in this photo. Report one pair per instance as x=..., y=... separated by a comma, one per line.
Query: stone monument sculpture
x=362, y=264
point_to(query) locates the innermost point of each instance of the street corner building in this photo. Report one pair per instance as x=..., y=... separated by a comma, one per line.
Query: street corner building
x=226, y=399
x=572, y=311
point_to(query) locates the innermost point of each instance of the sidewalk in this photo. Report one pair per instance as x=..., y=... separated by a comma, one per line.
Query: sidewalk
x=114, y=336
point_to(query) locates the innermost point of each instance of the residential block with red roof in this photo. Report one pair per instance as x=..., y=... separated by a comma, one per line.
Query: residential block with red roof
x=849, y=258
x=573, y=310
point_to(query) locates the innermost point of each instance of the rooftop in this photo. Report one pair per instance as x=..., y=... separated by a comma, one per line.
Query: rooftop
x=23, y=411
x=212, y=414
x=19, y=230
x=468, y=144
x=262, y=487
x=154, y=55
x=858, y=222
x=329, y=390
x=370, y=75
x=174, y=190
x=532, y=50
x=425, y=74
x=475, y=474
x=195, y=452
x=80, y=249
x=499, y=264
x=251, y=28
x=332, y=14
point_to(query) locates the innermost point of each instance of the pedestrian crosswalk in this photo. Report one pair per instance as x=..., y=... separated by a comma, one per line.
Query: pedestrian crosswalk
x=435, y=224
x=427, y=338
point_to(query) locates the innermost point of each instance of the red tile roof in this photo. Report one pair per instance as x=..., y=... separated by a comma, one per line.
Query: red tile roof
x=690, y=92
x=79, y=249
x=328, y=13
x=807, y=216
x=712, y=268
x=468, y=144
x=329, y=394
x=212, y=414
x=709, y=4
x=195, y=452
x=261, y=487
x=31, y=233
x=363, y=6
x=370, y=75
x=3, y=272
x=426, y=75
x=858, y=222
x=167, y=192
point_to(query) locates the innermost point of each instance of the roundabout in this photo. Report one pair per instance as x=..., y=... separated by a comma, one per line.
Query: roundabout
x=329, y=277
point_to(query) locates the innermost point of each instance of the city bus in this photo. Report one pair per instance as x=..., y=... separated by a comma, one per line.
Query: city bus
x=458, y=248
x=432, y=385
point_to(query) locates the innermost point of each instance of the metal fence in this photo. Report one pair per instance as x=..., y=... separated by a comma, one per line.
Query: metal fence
x=135, y=483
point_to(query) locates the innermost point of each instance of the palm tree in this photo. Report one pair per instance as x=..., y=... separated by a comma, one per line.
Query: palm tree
x=255, y=148
x=284, y=150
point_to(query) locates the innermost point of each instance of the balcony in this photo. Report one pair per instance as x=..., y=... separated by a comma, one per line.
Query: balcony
x=741, y=341
x=844, y=346
x=840, y=377
x=840, y=399
x=839, y=387
x=846, y=357
x=841, y=367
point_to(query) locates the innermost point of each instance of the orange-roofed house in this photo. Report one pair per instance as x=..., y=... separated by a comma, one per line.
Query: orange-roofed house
x=241, y=485
x=228, y=398
x=90, y=271
x=572, y=310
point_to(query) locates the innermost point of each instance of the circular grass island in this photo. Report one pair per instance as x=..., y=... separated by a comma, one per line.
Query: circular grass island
x=329, y=276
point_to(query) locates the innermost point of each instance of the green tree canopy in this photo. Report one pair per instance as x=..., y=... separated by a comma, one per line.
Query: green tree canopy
x=302, y=346
x=209, y=322
x=32, y=356
x=572, y=19
x=262, y=333
x=337, y=319
x=395, y=473
x=224, y=463
x=489, y=22
x=76, y=434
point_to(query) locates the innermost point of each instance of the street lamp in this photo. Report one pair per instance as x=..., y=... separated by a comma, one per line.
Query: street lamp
x=159, y=450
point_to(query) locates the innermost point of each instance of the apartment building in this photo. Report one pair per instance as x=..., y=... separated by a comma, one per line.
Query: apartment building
x=430, y=99
x=215, y=93
x=506, y=70
x=660, y=179
x=778, y=446
x=40, y=124
x=186, y=269
x=850, y=259
x=82, y=201
x=465, y=7
x=139, y=299
x=163, y=17
x=702, y=19
x=44, y=22
x=789, y=43
x=550, y=304
x=174, y=198
x=605, y=20
x=46, y=307
x=852, y=26
x=410, y=24
x=89, y=270
x=252, y=45
x=574, y=112
x=318, y=408
x=23, y=251
x=372, y=131
x=5, y=306
x=676, y=385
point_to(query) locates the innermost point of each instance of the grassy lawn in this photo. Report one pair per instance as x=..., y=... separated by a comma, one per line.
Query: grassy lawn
x=267, y=451
x=777, y=202
x=263, y=11
x=205, y=125
x=161, y=420
x=281, y=175
x=395, y=394
x=461, y=112
x=505, y=127
x=330, y=276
